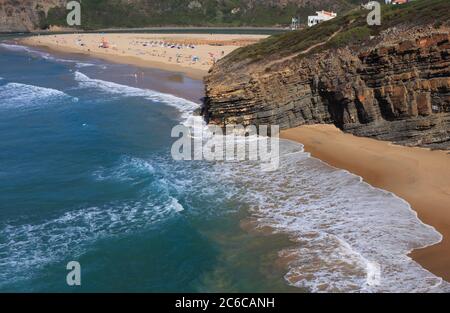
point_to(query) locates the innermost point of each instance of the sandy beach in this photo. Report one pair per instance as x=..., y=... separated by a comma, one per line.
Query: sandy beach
x=191, y=54
x=420, y=176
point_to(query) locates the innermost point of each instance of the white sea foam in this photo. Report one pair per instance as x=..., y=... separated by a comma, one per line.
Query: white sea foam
x=176, y=205
x=15, y=47
x=128, y=169
x=349, y=236
x=84, y=64
x=44, y=55
x=186, y=107
x=19, y=95
x=25, y=248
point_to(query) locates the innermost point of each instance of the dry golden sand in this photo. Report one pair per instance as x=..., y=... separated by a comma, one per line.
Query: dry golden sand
x=420, y=176
x=143, y=50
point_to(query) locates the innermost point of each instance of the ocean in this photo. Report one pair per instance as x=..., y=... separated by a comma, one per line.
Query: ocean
x=86, y=175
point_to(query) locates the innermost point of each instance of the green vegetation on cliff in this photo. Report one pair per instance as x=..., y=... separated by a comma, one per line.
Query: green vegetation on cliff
x=141, y=13
x=348, y=29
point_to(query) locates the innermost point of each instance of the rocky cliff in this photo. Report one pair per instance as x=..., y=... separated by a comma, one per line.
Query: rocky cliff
x=396, y=88
x=24, y=15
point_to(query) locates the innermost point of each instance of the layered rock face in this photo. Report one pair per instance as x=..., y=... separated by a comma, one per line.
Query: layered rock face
x=24, y=15
x=399, y=92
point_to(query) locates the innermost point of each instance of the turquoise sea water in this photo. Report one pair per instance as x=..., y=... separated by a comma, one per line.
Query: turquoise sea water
x=86, y=175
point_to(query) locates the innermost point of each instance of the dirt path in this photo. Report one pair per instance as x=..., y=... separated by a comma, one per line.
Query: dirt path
x=321, y=43
x=307, y=50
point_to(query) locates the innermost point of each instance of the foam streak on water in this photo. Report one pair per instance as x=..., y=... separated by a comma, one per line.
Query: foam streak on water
x=24, y=248
x=19, y=95
x=44, y=55
x=186, y=107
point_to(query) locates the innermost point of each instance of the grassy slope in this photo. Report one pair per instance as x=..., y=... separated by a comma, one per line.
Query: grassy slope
x=140, y=13
x=355, y=29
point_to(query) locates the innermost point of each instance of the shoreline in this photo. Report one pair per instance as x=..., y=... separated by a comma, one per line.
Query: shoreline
x=127, y=60
x=419, y=176
x=190, y=54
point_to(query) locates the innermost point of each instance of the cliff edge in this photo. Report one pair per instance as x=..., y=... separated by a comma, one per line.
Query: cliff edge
x=390, y=82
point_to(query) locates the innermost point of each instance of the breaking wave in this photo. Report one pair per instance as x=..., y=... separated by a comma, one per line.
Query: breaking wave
x=128, y=169
x=17, y=95
x=44, y=55
x=24, y=248
x=14, y=47
x=186, y=107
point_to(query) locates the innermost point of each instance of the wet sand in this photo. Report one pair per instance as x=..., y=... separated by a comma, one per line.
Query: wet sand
x=420, y=176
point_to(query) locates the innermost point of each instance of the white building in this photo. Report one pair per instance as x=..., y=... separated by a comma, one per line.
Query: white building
x=320, y=17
